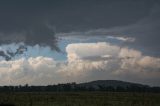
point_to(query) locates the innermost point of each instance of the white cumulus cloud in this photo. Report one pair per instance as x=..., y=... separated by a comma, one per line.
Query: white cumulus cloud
x=85, y=62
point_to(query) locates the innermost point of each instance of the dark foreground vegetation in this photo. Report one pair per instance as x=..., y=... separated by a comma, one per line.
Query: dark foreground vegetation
x=95, y=93
x=80, y=99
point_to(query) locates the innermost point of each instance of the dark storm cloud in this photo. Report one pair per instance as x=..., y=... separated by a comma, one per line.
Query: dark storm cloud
x=36, y=22
x=144, y=34
x=25, y=22
x=139, y=20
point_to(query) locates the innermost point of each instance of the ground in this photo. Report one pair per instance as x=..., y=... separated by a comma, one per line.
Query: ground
x=81, y=99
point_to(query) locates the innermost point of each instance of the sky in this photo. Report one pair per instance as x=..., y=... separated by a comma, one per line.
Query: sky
x=58, y=41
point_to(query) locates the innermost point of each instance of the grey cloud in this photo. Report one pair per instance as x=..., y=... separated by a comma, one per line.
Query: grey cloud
x=8, y=55
x=143, y=34
x=27, y=22
x=4, y=55
x=97, y=58
x=39, y=34
x=37, y=22
x=34, y=22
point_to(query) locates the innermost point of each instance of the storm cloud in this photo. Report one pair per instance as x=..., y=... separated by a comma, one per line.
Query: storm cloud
x=142, y=34
x=36, y=22
x=119, y=40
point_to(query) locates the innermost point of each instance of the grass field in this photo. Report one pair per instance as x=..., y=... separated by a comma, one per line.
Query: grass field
x=81, y=99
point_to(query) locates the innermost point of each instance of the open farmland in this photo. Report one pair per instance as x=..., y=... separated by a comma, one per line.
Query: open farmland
x=80, y=99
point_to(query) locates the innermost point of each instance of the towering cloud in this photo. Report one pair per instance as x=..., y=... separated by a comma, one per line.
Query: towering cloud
x=103, y=60
x=86, y=61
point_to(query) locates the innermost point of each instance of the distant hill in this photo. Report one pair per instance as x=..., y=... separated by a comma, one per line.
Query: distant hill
x=99, y=85
x=111, y=83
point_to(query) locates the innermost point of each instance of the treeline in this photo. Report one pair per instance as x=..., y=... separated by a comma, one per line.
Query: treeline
x=69, y=87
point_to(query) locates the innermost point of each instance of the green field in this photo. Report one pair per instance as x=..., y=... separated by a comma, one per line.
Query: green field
x=81, y=99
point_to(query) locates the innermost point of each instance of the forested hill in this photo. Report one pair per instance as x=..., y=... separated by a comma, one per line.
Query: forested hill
x=99, y=85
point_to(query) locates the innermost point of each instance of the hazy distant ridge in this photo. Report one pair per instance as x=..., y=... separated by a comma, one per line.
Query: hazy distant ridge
x=111, y=83
x=99, y=85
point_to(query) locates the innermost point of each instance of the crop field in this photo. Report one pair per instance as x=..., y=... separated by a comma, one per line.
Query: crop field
x=80, y=99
